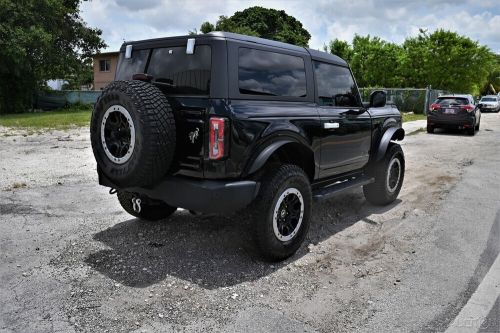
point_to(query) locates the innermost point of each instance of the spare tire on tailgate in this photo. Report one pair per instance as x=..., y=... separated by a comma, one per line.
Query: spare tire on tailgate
x=133, y=133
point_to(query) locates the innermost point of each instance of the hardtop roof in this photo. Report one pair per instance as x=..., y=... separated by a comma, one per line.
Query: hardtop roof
x=315, y=54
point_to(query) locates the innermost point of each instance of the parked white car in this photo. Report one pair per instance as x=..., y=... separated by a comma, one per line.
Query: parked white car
x=490, y=103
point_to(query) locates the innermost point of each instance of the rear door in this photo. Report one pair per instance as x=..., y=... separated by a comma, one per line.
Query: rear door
x=346, y=124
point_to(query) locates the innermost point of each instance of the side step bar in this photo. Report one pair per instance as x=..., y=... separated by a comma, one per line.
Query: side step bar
x=331, y=190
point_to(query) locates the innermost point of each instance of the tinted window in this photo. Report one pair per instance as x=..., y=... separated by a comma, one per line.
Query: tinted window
x=335, y=85
x=488, y=99
x=134, y=65
x=452, y=101
x=176, y=72
x=271, y=74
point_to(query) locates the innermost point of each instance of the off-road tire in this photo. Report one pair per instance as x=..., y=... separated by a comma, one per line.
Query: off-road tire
x=471, y=131
x=151, y=210
x=378, y=192
x=154, y=128
x=275, y=183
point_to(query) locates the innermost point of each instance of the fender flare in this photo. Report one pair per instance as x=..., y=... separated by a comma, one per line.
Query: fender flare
x=392, y=133
x=264, y=155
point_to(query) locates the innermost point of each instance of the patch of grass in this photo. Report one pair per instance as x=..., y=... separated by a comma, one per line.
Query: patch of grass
x=75, y=116
x=413, y=116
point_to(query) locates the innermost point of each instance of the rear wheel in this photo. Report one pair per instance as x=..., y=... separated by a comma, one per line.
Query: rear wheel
x=430, y=129
x=389, y=175
x=478, y=124
x=144, y=208
x=281, y=212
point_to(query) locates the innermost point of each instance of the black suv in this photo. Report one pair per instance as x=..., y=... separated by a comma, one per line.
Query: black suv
x=221, y=122
x=454, y=111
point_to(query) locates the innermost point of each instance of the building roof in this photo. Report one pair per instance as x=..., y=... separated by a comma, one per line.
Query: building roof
x=106, y=53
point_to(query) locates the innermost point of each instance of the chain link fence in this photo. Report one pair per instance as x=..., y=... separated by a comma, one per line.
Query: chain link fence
x=406, y=99
x=57, y=99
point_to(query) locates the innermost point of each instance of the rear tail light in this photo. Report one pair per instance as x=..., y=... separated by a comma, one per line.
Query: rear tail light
x=216, y=141
x=434, y=107
x=468, y=108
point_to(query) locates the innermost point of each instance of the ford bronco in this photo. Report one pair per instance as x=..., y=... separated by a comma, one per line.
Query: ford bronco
x=221, y=122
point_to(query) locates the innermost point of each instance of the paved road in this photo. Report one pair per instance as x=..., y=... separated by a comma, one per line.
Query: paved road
x=72, y=260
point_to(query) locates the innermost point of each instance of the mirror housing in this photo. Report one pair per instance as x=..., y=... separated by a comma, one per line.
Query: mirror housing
x=378, y=99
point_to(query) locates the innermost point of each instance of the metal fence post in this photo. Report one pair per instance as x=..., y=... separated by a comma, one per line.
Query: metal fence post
x=427, y=96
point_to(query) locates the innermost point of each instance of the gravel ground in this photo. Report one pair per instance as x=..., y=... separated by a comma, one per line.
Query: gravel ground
x=72, y=260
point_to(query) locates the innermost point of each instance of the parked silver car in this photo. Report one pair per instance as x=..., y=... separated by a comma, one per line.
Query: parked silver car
x=490, y=103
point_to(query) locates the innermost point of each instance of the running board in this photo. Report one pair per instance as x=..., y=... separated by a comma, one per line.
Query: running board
x=329, y=191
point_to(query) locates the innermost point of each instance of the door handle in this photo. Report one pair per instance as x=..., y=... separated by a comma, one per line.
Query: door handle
x=331, y=125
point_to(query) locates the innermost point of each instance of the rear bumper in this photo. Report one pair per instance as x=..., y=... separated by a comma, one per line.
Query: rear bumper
x=205, y=196
x=490, y=109
x=451, y=120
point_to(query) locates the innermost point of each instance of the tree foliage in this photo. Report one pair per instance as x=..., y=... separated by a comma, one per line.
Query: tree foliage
x=442, y=59
x=40, y=40
x=446, y=61
x=262, y=22
x=374, y=62
x=492, y=84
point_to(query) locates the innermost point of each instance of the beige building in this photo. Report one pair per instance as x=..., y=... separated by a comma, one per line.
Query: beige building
x=104, y=69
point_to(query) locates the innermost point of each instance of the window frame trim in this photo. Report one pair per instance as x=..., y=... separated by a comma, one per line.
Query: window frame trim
x=105, y=61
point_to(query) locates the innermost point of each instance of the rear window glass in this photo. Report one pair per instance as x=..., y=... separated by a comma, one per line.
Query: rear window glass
x=131, y=66
x=176, y=72
x=452, y=101
x=271, y=74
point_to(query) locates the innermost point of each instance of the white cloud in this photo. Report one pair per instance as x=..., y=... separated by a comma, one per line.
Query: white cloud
x=391, y=20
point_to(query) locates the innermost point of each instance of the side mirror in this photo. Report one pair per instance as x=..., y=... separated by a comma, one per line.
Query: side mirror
x=378, y=99
x=479, y=105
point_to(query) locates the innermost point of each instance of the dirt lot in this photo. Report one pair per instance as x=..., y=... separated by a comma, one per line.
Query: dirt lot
x=72, y=260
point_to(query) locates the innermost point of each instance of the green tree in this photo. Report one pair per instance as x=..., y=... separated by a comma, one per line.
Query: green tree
x=446, y=61
x=262, y=22
x=340, y=48
x=492, y=84
x=375, y=62
x=40, y=40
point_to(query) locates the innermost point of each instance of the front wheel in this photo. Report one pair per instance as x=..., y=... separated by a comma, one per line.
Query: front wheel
x=281, y=212
x=389, y=175
x=145, y=208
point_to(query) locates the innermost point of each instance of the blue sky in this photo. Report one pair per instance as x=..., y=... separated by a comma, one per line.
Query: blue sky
x=392, y=20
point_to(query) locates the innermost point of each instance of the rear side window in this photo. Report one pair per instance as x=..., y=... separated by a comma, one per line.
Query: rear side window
x=135, y=65
x=335, y=85
x=451, y=101
x=271, y=74
x=176, y=72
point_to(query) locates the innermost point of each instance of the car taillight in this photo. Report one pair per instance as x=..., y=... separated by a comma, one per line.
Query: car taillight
x=434, y=107
x=216, y=141
x=468, y=108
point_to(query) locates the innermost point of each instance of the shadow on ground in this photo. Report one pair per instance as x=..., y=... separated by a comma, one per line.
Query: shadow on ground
x=210, y=251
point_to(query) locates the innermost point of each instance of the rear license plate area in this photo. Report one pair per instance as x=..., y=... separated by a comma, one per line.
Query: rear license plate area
x=449, y=111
